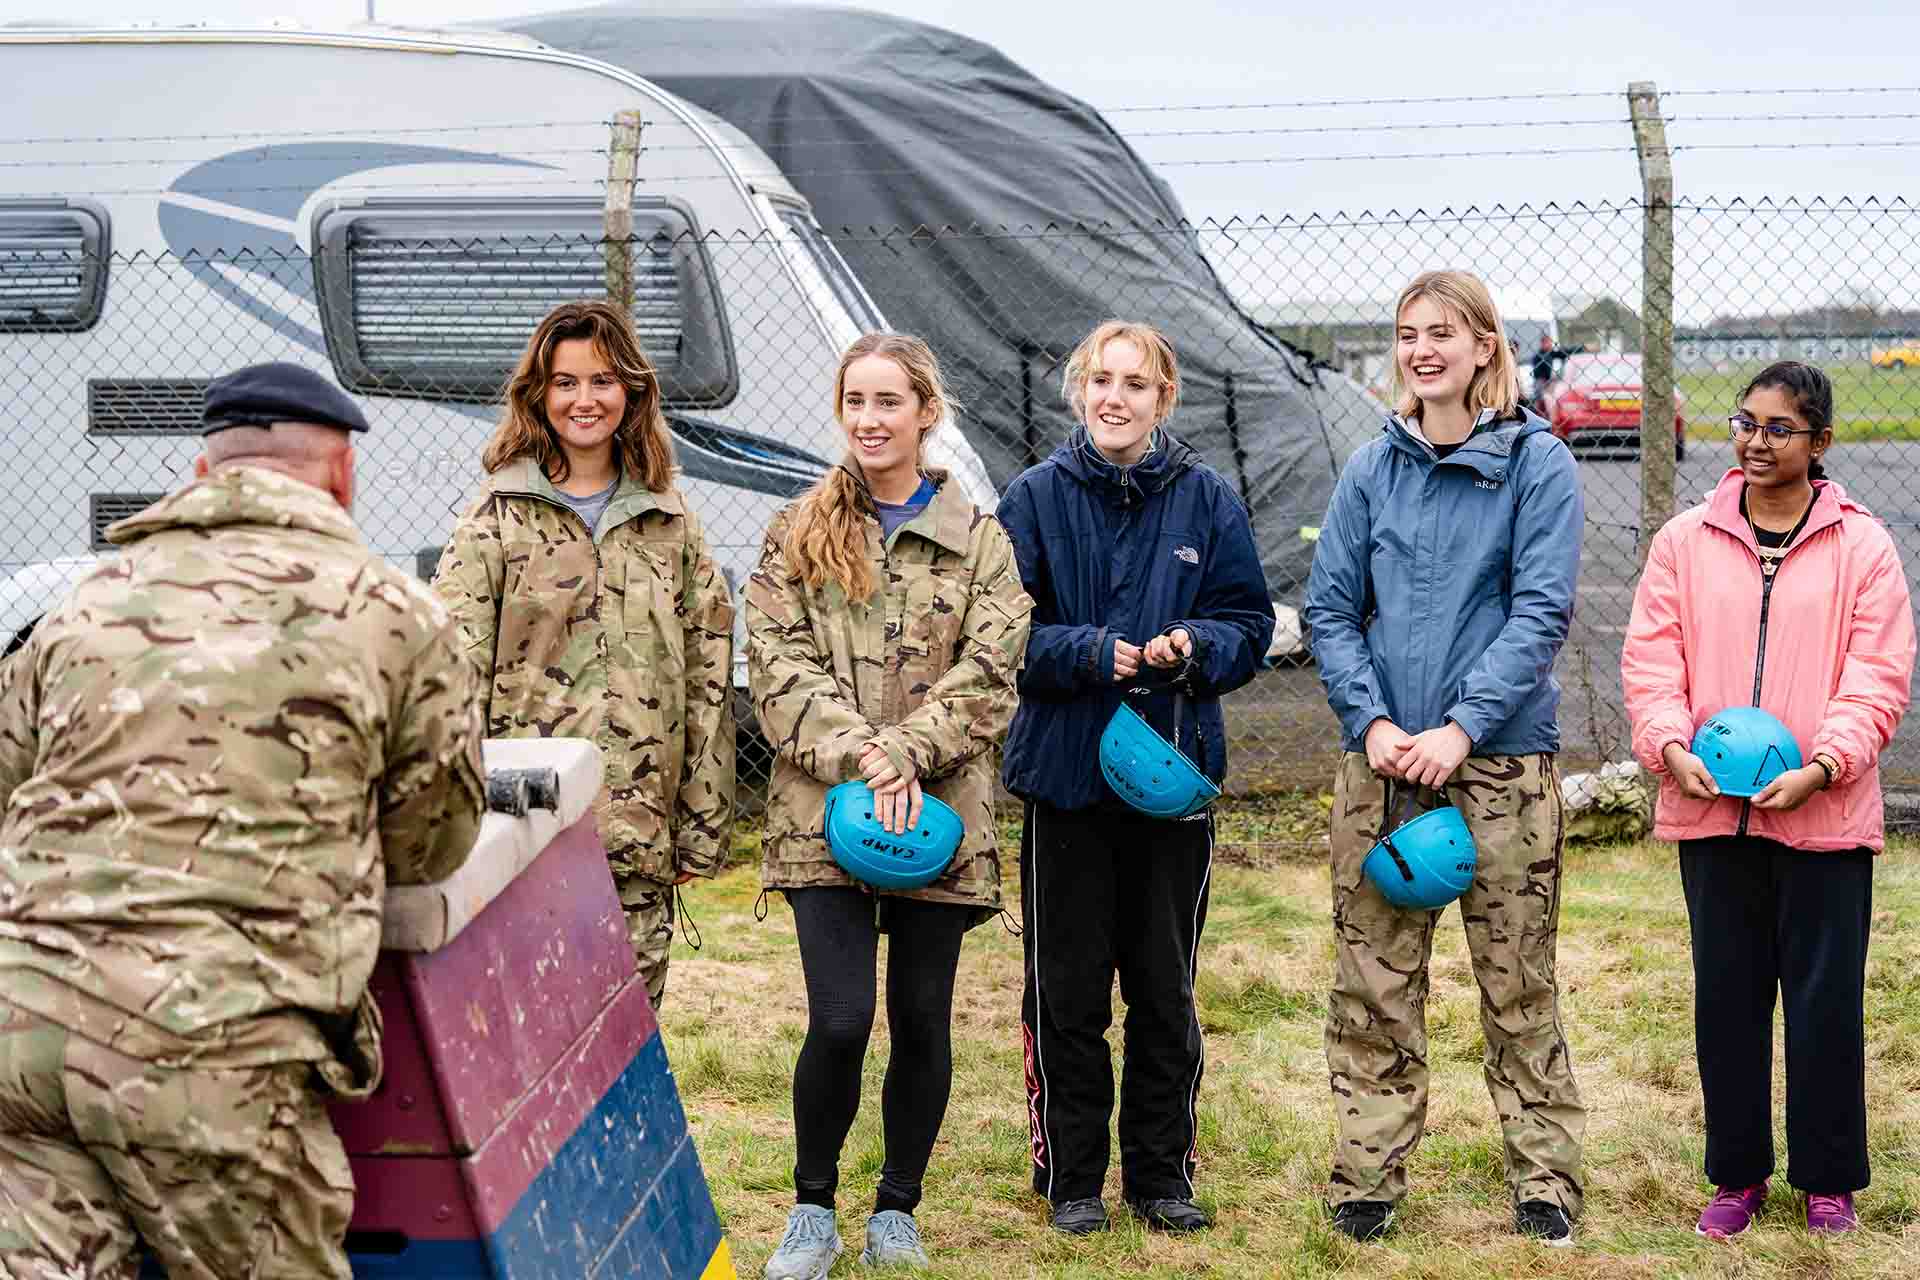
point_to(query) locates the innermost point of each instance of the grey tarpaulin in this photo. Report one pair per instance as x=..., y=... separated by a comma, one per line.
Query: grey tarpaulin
x=1043, y=223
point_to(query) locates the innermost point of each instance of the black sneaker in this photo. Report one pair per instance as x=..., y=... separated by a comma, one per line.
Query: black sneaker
x=1363, y=1221
x=1544, y=1221
x=1170, y=1214
x=1080, y=1217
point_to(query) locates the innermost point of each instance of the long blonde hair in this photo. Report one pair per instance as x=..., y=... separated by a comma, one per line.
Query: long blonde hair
x=640, y=443
x=827, y=539
x=1163, y=367
x=1462, y=294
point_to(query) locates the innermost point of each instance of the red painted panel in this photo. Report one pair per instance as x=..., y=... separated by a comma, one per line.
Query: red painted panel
x=500, y=1172
x=404, y=1116
x=508, y=997
x=423, y=1198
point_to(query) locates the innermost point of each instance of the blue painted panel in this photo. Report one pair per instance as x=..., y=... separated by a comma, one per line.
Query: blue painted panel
x=582, y=1201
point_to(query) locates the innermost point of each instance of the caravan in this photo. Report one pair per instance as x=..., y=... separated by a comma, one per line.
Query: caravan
x=396, y=209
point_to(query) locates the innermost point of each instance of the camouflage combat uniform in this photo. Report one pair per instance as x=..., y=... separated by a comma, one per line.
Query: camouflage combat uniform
x=925, y=668
x=1376, y=1021
x=623, y=636
x=214, y=755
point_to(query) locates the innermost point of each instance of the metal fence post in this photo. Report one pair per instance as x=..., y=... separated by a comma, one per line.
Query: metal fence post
x=1656, y=311
x=622, y=157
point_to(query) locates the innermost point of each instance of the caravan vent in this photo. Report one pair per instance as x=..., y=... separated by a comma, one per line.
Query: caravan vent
x=130, y=407
x=105, y=508
x=53, y=266
x=436, y=300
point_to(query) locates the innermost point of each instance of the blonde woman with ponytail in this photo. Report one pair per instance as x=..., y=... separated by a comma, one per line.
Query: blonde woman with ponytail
x=885, y=628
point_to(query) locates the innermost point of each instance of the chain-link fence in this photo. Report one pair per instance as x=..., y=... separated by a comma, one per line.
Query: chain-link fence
x=103, y=360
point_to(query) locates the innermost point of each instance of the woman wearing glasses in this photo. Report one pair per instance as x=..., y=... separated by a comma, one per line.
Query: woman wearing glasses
x=1779, y=591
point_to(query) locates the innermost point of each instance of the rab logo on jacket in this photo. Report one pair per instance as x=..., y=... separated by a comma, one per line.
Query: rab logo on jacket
x=1186, y=554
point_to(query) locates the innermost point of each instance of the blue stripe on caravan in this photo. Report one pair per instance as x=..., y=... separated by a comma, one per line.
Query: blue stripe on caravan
x=584, y=1202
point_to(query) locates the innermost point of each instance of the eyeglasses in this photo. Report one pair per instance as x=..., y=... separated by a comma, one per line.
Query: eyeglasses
x=1743, y=428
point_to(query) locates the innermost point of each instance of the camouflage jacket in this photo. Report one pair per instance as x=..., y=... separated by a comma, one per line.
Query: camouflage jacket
x=925, y=668
x=624, y=637
x=214, y=755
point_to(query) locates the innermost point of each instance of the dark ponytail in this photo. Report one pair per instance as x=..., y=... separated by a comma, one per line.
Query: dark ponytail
x=1811, y=392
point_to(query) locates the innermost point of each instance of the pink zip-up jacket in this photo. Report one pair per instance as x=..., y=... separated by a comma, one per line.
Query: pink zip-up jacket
x=1829, y=645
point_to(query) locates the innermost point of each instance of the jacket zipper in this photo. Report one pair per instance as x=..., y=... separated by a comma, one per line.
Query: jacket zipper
x=1767, y=571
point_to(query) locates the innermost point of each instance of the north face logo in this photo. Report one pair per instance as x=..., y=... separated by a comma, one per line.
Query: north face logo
x=1187, y=554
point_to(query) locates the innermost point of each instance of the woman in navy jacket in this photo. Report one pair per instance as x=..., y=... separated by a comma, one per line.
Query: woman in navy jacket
x=1442, y=589
x=1143, y=570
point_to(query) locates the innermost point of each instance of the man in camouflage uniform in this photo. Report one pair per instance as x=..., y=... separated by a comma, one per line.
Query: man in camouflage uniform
x=214, y=755
x=1376, y=1023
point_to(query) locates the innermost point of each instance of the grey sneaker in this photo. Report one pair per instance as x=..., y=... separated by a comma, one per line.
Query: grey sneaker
x=808, y=1250
x=893, y=1240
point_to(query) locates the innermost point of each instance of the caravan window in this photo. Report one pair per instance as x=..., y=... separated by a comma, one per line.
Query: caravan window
x=435, y=298
x=53, y=265
x=826, y=261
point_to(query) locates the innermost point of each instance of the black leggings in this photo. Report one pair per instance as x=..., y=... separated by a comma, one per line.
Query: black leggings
x=839, y=937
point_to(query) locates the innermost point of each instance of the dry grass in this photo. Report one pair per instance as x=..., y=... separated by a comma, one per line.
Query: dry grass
x=736, y=1015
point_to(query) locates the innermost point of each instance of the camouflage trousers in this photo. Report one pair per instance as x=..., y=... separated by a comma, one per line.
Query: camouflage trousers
x=650, y=919
x=1377, y=1013
x=221, y=1173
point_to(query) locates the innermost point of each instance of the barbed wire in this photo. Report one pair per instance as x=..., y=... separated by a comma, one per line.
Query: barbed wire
x=299, y=135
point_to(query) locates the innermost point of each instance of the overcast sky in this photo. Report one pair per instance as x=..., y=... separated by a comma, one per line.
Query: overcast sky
x=1197, y=57
x=1210, y=52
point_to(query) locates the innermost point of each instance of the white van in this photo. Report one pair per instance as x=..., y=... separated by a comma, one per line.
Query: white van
x=396, y=209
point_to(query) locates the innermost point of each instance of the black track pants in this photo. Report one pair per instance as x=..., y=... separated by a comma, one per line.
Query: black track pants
x=1105, y=892
x=1766, y=918
x=839, y=941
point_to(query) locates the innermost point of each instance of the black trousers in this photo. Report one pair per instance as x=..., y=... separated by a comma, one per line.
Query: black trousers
x=839, y=936
x=1106, y=892
x=1766, y=916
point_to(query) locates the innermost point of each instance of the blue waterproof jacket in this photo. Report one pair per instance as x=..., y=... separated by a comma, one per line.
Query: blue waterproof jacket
x=1108, y=554
x=1442, y=588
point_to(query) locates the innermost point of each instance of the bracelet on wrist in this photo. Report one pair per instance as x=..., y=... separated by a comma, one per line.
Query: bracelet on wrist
x=1826, y=769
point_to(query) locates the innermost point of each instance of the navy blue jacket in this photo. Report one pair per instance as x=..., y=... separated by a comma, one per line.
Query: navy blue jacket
x=1442, y=588
x=1110, y=554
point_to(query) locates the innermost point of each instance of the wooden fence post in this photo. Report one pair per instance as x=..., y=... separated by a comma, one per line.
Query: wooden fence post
x=1656, y=311
x=622, y=158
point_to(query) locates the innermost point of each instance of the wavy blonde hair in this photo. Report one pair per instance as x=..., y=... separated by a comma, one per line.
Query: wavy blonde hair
x=1462, y=294
x=1162, y=365
x=827, y=540
x=640, y=443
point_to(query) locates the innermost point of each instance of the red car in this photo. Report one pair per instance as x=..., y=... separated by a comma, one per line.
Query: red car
x=1594, y=401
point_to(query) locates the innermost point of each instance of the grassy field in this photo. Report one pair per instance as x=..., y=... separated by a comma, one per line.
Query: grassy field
x=1868, y=403
x=736, y=1015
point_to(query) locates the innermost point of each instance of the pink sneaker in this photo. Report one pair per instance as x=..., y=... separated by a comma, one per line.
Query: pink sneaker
x=1831, y=1215
x=1731, y=1211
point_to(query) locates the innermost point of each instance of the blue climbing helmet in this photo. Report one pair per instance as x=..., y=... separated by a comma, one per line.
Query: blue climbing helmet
x=1150, y=773
x=1426, y=861
x=1745, y=748
x=875, y=856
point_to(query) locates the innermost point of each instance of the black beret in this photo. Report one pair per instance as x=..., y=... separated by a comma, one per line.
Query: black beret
x=263, y=394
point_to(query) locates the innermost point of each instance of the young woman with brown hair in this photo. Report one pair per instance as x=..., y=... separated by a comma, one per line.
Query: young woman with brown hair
x=590, y=603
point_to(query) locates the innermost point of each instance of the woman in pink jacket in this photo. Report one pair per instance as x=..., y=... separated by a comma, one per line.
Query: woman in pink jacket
x=1782, y=592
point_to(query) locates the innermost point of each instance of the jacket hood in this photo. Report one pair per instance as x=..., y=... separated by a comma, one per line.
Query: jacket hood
x=522, y=477
x=240, y=495
x=1085, y=463
x=1488, y=449
x=1830, y=503
x=948, y=518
